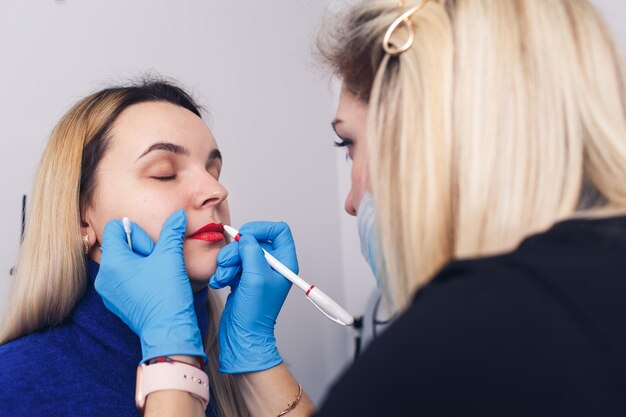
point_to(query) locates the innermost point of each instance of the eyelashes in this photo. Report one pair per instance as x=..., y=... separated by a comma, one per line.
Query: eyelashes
x=170, y=170
x=172, y=177
x=166, y=178
x=343, y=143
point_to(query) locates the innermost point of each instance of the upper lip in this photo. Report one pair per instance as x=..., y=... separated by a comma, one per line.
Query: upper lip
x=210, y=227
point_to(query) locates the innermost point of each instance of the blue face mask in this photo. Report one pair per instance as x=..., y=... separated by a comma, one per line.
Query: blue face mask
x=367, y=233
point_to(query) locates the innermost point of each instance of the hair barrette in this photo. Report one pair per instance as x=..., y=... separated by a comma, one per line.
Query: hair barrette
x=403, y=19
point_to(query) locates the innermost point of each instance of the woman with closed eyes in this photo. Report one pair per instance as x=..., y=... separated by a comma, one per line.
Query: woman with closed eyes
x=141, y=151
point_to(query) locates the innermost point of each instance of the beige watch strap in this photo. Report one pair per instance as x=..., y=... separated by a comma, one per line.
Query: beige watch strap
x=171, y=376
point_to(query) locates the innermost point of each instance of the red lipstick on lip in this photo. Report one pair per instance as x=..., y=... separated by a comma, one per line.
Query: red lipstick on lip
x=212, y=232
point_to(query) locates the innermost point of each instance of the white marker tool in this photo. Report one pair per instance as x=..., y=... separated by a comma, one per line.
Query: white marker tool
x=126, y=224
x=324, y=303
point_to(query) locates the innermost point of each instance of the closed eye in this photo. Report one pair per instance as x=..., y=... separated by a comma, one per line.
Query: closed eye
x=166, y=178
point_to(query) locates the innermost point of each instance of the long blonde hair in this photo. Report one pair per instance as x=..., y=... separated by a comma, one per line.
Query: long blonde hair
x=51, y=269
x=504, y=117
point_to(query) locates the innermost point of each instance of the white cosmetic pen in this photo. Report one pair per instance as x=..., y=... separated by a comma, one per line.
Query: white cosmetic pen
x=323, y=302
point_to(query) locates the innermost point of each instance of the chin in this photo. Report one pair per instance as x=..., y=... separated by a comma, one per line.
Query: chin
x=201, y=272
x=201, y=264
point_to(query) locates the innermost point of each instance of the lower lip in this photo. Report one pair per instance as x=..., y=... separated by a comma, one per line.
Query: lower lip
x=212, y=237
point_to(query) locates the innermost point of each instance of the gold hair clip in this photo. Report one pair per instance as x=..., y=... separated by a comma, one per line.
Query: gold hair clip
x=404, y=18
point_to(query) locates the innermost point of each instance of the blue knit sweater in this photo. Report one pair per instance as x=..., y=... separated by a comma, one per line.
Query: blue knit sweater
x=85, y=366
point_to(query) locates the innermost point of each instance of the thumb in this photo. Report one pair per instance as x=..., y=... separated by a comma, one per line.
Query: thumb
x=252, y=256
x=172, y=233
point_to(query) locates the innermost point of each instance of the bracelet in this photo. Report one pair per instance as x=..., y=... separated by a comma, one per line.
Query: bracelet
x=292, y=404
x=162, y=359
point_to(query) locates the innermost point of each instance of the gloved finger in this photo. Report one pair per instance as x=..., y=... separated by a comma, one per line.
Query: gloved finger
x=142, y=243
x=229, y=265
x=225, y=277
x=172, y=233
x=229, y=255
x=252, y=256
x=280, y=237
x=278, y=233
x=114, y=240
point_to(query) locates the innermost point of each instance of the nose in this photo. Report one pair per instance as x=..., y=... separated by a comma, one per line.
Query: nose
x=349, y=205
x=209, y=192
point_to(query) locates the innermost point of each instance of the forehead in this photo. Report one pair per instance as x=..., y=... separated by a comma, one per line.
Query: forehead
x=145, y=123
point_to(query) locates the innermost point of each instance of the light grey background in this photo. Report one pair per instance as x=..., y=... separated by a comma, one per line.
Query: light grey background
x=250, y=64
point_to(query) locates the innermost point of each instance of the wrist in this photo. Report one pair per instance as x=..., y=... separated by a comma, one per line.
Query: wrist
x=249, y=353
x=191, y=360
x=190, y=355
x=194, y=361
x=167, y=374
x=175, y=339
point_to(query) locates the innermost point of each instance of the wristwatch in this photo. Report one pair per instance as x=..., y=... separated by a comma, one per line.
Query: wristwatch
x=173, y=375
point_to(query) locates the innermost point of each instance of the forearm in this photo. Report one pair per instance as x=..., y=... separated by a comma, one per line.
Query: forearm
x=269, y=392
x=172, y=403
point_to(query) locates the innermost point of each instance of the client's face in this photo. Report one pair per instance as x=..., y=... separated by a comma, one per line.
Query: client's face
x=163, y=158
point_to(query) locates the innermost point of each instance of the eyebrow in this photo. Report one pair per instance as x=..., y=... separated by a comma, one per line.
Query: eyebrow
x=167, y=147
x=334, y=124
x=178, y=150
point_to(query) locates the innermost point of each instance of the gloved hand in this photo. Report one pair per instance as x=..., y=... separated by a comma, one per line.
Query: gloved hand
x=150, y=290
x=246, y=333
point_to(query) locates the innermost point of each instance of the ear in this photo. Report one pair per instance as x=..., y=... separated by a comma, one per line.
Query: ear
x=87, y=229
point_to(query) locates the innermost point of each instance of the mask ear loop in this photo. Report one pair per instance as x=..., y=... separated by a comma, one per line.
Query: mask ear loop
x=404, y=18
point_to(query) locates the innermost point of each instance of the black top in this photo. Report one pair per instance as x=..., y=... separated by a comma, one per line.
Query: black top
x=540, y=331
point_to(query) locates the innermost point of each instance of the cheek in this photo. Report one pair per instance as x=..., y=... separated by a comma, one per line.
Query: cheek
x=150, y=213
x=148, y=209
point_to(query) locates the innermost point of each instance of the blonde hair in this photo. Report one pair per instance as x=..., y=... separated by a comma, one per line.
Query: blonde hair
x=504, y=117
x=51, y=268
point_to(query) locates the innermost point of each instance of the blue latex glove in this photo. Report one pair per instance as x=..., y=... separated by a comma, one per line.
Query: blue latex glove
x=150, y=290
x=246, y=333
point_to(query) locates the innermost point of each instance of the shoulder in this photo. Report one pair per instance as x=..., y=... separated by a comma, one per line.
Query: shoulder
x=475, y=301
x=498, y=309
x=29, y=358
x=42, y=368
x=461, y=286
x=22, y=354
x=483, y=337
x=432, y=354
x=25, y=362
